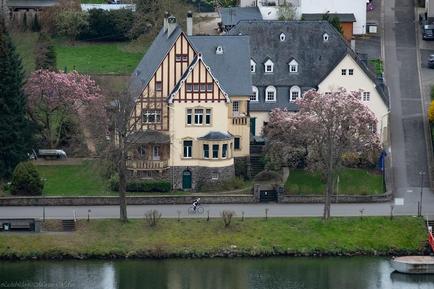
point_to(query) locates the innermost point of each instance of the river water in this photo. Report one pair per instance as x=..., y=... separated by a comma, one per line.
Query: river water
x=272, y=273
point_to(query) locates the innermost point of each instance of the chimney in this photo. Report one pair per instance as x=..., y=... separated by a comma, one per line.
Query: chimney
x=171, y=25
x=189, y=23
x=166, y=15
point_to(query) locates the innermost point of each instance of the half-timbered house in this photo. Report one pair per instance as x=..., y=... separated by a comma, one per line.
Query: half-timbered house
x=191, y=119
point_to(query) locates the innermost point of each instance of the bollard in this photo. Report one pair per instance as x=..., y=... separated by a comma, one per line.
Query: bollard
x=88, y=214
x=361, y=213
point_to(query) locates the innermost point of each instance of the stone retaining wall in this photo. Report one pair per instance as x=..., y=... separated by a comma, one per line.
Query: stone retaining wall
x=340, y=199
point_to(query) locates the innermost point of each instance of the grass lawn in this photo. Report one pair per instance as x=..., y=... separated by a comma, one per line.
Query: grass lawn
x=98, y=58
x=73, y=180
x=25, y=43
x=351, y=182
x=370, y=235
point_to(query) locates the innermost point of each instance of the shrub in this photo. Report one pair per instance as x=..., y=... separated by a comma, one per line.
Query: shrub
x=431, y=112
x=141, y=185
x=71, y=23
x=241, y=168
x=26, y=180
x=108, y=25
x=227, y=217
x=152, y=217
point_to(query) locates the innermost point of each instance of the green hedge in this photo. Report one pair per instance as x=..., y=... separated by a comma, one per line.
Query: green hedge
x=26, y=180
x=142, y=186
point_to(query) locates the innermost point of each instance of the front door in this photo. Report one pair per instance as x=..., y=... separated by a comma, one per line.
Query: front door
x=253, y=126
x=186, y=180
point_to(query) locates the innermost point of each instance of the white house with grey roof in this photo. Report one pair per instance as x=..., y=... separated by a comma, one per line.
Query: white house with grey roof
x=190, y=123
x=289, y=58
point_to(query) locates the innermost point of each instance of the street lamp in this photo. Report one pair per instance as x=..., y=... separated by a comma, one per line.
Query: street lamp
x=419, y=210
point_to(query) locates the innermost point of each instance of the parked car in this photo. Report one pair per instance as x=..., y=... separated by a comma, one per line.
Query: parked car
x=428, y=32
x=431, y=61
x=52, y=154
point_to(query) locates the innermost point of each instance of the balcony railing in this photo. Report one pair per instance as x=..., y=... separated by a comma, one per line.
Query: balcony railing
x=241, y=120
x=142, y=165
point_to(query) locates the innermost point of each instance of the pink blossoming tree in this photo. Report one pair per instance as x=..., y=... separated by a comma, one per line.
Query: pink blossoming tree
x=326, y=127
x=53, y=97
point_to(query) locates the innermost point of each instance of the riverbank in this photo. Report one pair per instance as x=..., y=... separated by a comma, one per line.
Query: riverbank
x=197, y=238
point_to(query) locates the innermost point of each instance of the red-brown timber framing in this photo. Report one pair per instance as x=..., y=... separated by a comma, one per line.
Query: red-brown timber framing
x=150, y=99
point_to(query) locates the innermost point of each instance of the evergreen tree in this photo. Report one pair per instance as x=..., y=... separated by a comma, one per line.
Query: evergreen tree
x=334, y=21
x=15, y=132
x=45, y=54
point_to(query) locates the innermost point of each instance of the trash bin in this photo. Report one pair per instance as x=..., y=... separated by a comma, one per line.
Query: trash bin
x=6, y=226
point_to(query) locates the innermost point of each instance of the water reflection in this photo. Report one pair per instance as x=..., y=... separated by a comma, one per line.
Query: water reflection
x=273, y=273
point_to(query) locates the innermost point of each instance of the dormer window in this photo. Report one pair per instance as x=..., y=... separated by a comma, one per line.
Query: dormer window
x=325, y=37
x=269, y=66
x=219, y=50
x=252, y=66
x=282, y=37
x=293, y=66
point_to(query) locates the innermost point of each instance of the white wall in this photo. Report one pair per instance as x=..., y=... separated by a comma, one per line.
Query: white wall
x=261, y=117
x=354, y=83
x=357, y=7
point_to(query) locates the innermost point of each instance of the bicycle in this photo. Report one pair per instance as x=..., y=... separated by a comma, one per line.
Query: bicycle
x=199, y=210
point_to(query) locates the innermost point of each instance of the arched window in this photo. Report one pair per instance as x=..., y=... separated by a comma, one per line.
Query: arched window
x=254, y=96
x=270, y=93
x=282, y=37
x=252, y=66
x=294, y=93
x=293, y=66
x=269, y=66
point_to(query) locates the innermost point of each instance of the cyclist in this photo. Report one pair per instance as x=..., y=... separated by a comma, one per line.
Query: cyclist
x=196, y=203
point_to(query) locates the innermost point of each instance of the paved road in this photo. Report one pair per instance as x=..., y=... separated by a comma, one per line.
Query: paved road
x=171, y=211
x=408, y=139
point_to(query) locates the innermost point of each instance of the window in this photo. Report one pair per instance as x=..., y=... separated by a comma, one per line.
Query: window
x=254, y=96
x=252, y=66
x=344, y=72
x=237, y=143
x=235, y=106
x=156, y=153
x=268, y=66
x=270, y=93
x=209, y=87
x=325, y=37
x=350, y=71
x=366, y=96
x=225, y=151
x=185, y=58
x=181, y=58
x=282, y=37
x=206, y=151
x=293, y=66
x=198, y=116
x=294, y=93
x=188, y=145
x=189, y=116
x=202, y=87
x=208, y=116
x=152, y=116
x=141, y=150
x=195, y=87
x=215, y=151
x=158, y=86
x=189, y=87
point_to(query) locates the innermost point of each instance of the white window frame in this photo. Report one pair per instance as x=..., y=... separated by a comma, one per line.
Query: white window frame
x=343, y=72
x=235, y=106
x=366, y=96
x=325, y=37
x=270, y=89
x=293, y=66
x=255, y=94
x=252, y=66
x=294, y=89
x=208, y=113
x=189, y=152
x=225, y=153
x=268, y=64
x=350, y=71
x=282, y=37
x=156, y=113
x=189, y=112
x=199, y=116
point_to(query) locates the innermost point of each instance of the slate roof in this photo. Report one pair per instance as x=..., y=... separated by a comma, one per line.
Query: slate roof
x=303, y=42
x=343, y=17
x=151, y=60
x=232, y=68
x=231, y=16
x=216, y=135
x=149, y=136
